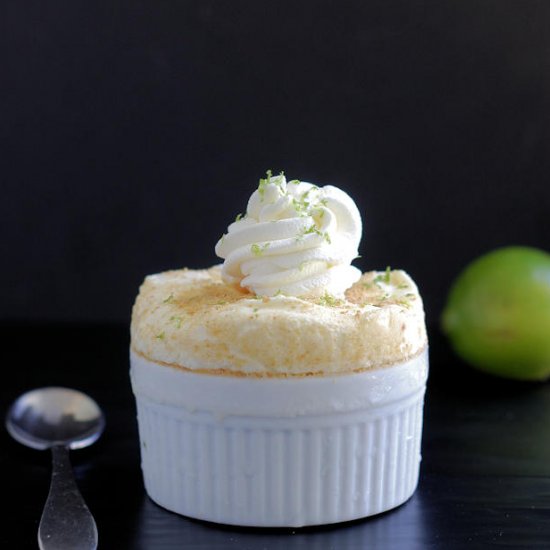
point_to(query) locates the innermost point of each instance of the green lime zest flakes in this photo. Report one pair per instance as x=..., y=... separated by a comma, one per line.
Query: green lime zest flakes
x=160, y=336
x=384, y=278
x=299, y=207
x=402, y=286
x=313, y=229
x=270, y=179
x=329, y=300
x=278, y=181
x=264, y=182
x=294, y=182
x=169, y=299
x=176, y=319
x=239, y=217
x=278, y=293
x=221, y=303
x=258, y=249
x=304, y=204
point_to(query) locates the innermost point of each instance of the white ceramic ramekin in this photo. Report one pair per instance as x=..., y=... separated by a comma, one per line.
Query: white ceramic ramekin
x=280, y=452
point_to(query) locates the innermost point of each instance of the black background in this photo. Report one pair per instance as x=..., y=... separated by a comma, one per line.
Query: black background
x=132, y=132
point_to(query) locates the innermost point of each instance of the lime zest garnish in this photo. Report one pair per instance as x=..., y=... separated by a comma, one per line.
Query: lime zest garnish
x=160, y=336
x=263, y=182
x=313, y=229
x=270, y=179
x=169, y=299
x=329, y=300
x=176, y=319
x=299, y=207
x=258, y=249
x=385, y=277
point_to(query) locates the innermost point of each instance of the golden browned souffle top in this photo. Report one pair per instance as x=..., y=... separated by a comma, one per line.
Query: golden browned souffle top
x=191, y=319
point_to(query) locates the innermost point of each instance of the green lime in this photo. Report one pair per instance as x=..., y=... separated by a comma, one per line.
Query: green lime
x=497, y=315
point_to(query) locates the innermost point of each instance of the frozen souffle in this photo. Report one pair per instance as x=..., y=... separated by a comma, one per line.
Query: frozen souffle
x=287, y=349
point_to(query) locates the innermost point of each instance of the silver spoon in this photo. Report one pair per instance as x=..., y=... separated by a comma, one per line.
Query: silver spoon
x=59, y=419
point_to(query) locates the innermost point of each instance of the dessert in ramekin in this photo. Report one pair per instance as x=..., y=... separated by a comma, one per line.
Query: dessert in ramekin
x=283, y=388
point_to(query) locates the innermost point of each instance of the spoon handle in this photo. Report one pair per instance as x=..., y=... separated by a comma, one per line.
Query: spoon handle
x=66, y=520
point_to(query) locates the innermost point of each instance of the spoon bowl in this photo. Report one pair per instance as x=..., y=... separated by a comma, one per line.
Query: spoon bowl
x=59, y=419
x=52, y=416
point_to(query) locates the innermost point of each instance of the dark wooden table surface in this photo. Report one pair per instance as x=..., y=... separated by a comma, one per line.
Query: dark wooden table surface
x=485, y=478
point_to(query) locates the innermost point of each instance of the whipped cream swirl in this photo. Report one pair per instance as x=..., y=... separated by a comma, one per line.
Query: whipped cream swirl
x=295, y=239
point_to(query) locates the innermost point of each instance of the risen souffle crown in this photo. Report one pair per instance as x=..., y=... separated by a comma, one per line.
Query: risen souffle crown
x=286, y=301
x=192, y=319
